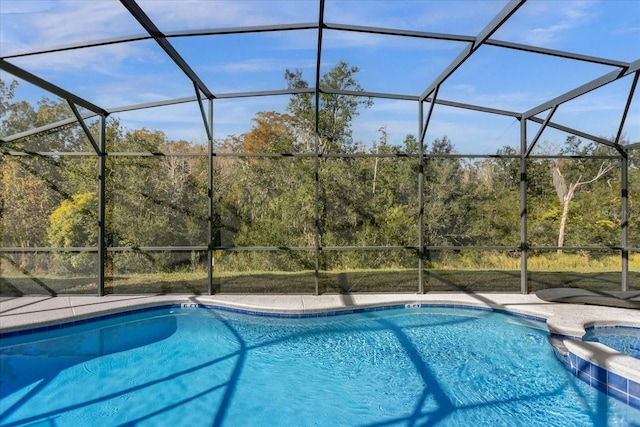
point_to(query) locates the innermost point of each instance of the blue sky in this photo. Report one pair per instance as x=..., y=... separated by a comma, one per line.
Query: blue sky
x=140, y=72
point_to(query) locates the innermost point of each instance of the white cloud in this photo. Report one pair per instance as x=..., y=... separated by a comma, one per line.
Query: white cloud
x=28, y=26
x=233, y=116
x=62, y=23
x=470, y=131
x=252, y=66
x=463, y=88
x=22, y=6
x=476, y=136
x=181, y=121
x=170, y=16
x=395, y=107
x=553, y=20
x=101, y=59
x=626, y=31
x=140, y=72
x=348, y=39
x=464, y=17
x=510, y=100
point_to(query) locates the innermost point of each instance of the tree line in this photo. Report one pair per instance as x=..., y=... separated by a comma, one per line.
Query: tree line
x=265, y=192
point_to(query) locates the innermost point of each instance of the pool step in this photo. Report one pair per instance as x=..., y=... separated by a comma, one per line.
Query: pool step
x=558, y=346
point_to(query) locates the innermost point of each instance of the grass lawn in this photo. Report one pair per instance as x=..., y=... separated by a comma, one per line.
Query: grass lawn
x=351, y=281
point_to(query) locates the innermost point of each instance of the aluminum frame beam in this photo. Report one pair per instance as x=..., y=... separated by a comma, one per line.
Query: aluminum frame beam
x=485, y=33
x=578, y=91
x=424, y=128
x=50, y=87
x=102, y=203
x=205, y=120
x=316, y=185
x=524, y=182
x=276, y=92
x=211, y=227
x=400, y=33
x=539, y=134
x=45, y=128
x=286, y=248
x=244, y=30
x=328, y=26
x=235, y=95
x=624, y=218
x=421, y=146
x=160, y=38
x=573, y=131
x=76, y=46
x=86, y=130
x=627, y=106
x=472, y=44
x=556, y=53
x=155, y=104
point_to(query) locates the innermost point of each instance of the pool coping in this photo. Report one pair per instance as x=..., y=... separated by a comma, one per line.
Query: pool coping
x=592, y=362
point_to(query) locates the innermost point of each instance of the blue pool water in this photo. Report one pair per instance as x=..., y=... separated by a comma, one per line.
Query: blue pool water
x=624, y=339
x=198, y=367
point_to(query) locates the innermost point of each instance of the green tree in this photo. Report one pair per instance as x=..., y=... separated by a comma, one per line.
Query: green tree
x=75, y=224
x=443, y=192
x=265, y=202
x=158, y=200
x=410, y=145
x=7, y=92
x=492, y=199
x=336, y=111
x=26, y=202
x=31, y=187
x=272, y=132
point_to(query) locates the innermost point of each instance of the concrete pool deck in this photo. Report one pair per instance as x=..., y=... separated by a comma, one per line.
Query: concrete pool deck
x=562, y=319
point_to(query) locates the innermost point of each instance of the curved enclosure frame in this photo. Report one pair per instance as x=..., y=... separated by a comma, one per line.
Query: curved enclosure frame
x=318, y=147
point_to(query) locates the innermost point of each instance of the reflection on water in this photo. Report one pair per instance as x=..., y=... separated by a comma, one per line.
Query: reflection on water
x=23, y=363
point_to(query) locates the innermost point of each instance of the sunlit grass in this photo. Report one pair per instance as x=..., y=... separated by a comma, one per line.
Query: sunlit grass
x=462, y=272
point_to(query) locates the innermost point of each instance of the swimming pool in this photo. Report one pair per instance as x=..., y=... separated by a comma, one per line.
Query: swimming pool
x=624, y=339
x=173, y=366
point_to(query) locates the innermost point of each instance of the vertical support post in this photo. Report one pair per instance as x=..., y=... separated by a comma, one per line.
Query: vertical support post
x=102, y=170
x=524, y=288
x=421, y=201
x=316, y=196
x=422, y=129
x=318, y=233
x=624, y=164
x=624, y=216
x=211, y=226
